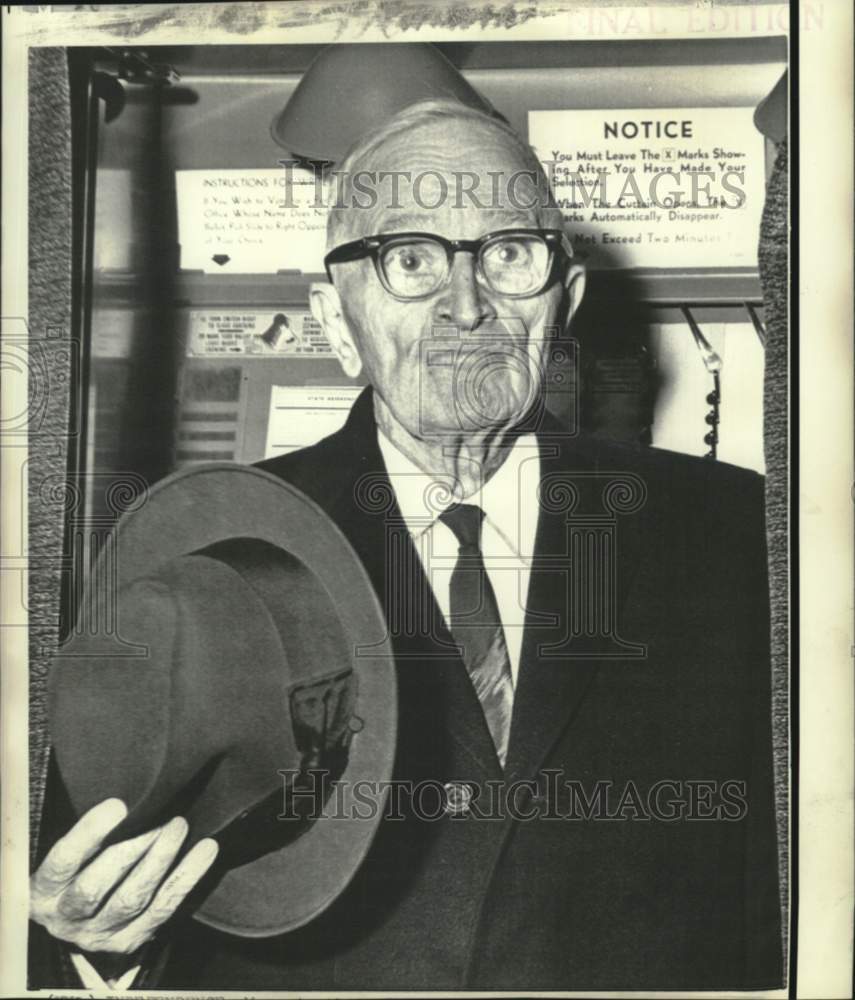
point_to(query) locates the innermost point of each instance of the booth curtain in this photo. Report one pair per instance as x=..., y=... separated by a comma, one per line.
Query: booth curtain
x=53, y=365
x=773, y=259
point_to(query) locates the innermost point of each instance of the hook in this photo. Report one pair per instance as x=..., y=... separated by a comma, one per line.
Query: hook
x=759, y=329
x=712, y=361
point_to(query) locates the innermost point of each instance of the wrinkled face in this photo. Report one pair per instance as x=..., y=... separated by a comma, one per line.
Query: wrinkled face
x=464, y=358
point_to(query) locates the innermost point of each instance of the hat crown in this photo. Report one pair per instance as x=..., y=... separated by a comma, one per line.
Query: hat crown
x=349, y=90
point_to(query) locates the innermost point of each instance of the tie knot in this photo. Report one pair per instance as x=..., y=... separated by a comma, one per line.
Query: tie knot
x=465, y=519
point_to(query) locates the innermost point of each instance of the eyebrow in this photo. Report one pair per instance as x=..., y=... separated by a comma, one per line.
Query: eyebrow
x=405, y=220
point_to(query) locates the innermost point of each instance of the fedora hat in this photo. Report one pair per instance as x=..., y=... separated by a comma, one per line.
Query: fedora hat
x=351, y=89
x=244, y=680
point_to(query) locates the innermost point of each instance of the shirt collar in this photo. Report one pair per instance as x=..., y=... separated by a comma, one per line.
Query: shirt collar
x=508, y=495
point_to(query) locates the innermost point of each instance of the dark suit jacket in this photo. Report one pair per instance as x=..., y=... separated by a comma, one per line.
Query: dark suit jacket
x=644, y=680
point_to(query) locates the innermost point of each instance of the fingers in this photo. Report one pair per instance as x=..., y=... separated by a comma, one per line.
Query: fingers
x=68, y=854
x=167, y=899
x=72, y=899
x=84, y=894
x=135, y=893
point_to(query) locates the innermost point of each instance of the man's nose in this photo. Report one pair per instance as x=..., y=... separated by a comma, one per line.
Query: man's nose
x=463, y=302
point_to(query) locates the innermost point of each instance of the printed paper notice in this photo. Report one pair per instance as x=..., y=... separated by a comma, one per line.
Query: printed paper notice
x=678, y=187
x=251, y=221
x=217, y=333
x=302, y=415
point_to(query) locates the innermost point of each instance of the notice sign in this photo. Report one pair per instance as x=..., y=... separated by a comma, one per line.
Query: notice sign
x=678, y=187
x=251, y=221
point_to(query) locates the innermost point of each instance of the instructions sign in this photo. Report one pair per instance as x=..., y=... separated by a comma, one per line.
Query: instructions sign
x=662, y=187
x=251, y=221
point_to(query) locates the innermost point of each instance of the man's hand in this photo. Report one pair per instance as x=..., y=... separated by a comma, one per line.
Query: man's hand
x=116, y=902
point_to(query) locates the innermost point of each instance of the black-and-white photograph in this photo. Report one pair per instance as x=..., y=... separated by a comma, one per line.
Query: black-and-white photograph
x=409, y=492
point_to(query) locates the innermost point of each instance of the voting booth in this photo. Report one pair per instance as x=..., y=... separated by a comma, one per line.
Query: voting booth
x=203, y=239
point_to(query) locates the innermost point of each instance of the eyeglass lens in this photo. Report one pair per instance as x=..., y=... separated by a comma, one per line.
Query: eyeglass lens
x=511, y=265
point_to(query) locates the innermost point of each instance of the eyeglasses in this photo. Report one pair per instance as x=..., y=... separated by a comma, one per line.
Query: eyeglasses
x=514, y=263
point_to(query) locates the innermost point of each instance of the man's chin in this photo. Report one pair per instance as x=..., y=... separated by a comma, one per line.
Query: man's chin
x=498, y=407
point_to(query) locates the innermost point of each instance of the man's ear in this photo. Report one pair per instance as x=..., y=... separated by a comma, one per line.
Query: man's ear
x=325, y=304
x=574, y=284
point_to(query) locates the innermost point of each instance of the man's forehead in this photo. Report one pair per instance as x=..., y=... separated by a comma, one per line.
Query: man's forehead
x=459, y=178
x=451, y=222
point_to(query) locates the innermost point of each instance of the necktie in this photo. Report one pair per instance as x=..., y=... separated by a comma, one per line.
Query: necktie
x=476, y=626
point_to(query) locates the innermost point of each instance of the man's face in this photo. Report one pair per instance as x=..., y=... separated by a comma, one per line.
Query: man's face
x=464, y=358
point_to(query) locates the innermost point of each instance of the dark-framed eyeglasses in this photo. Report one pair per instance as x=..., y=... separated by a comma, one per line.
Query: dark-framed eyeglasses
x=513, y=263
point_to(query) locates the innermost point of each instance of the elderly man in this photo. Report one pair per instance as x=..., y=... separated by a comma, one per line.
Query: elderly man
x=580, y=632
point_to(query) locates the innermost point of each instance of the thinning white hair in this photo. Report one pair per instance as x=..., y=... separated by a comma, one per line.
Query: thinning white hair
x=341, y=212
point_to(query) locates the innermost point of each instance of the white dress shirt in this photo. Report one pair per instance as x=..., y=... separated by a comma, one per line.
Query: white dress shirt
x=93, y=981
x=510, y=504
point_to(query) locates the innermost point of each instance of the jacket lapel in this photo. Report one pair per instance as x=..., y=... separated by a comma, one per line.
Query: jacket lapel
x=548, y=690
x=559, y=661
